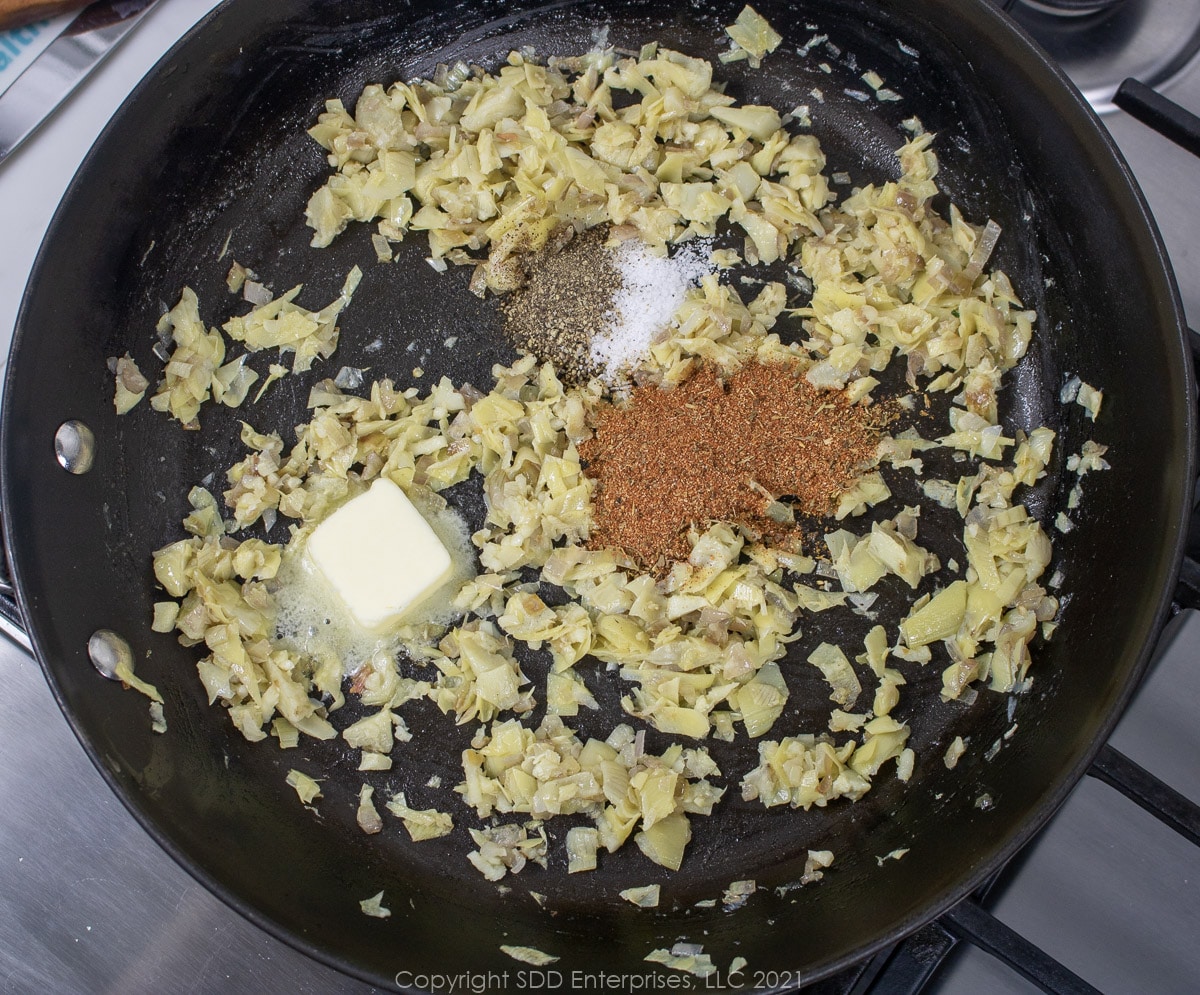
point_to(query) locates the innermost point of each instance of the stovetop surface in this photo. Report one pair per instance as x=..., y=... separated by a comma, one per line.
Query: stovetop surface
x=89, y=903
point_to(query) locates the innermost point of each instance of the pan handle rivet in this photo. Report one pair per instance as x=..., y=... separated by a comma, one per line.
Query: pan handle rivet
x=108, y=651
x=75, y=446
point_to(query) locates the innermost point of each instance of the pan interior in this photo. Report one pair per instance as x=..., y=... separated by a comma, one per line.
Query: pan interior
x=212, y=151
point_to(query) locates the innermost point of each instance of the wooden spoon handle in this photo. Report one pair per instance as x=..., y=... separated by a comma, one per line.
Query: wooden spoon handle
x=15, y=13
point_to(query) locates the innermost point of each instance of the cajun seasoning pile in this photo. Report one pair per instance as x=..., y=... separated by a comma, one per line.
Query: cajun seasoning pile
x=713, y=449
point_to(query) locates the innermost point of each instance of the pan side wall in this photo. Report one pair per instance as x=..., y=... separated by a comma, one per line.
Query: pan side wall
x=148, y=215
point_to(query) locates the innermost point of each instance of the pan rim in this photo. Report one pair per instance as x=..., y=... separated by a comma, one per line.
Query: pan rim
x=1059, y=788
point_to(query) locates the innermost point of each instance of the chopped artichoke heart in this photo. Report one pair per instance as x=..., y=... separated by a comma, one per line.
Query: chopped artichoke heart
x=954, y=752
x=940, y=618
x=285, y=325
x=480, y=677
x=425, y=824
x=374, y=733
x=582, y=844
x=506, y=848
x=665, y=841
x=188, y=376
x=374, y=907
x=165, y=615
x=843, y=682
x=800, y=771
x=753, y=35
x=503, y=165
x=130, y=384
x=367, y=815
x=125, y=674
x=760, y=123
x=551, y=772
x=528, y=955
x=645, y=897
x=492, y=168
x=306, y=788
x=1089, y=398
x=760, y=700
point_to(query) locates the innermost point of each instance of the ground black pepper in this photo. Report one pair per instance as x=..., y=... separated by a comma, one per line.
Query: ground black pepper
x=567, y=298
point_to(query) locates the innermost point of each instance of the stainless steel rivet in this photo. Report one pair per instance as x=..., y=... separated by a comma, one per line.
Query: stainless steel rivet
x=75, y=446
x=108, y=651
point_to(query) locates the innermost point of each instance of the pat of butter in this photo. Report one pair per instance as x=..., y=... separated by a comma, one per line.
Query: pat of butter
x=379, y=555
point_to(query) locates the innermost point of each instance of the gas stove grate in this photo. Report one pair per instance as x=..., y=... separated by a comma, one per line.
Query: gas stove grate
x=908, y=966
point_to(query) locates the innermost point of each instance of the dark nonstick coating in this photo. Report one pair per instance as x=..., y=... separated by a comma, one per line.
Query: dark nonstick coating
x=212, y=147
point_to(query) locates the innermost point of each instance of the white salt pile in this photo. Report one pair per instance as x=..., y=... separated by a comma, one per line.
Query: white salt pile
x=651, y=290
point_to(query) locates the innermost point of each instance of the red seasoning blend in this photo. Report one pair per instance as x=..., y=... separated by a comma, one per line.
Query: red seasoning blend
x=722, y=450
